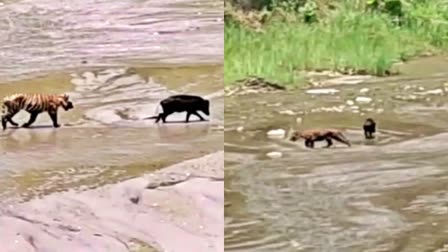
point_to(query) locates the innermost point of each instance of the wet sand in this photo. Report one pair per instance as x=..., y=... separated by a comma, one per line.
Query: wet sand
x=124, y=216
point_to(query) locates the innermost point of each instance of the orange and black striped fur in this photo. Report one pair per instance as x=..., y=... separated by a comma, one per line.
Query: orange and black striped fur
x=34, y=104
x=313, y=135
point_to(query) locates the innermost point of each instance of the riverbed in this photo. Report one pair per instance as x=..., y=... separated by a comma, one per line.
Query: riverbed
x=388, y=194
x=116, y=61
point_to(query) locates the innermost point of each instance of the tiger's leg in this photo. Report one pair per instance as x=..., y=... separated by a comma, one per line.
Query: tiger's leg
x=32, y=119
x=4, y=121
x=309, y=143
x=329, y=142
x=8, y=118
x=341, y=138
x=54, y=117
x=12, y=122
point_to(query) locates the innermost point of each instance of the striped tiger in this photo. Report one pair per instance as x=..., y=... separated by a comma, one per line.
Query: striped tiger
x=34, y=104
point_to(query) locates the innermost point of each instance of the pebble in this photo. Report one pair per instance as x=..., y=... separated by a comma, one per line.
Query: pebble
x=407, y=87
x=363, y=99
x=432, y=92
x=287, y=112
x=322, y=91
x=240, y=129
x=294, y=244
x=350, y=102
x=299, y=120
x=347, y=80
x=278, y=133
x=274, y=154
x=363, y=90
x=405, y=97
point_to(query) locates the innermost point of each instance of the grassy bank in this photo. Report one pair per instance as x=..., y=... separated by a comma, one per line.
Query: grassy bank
x=345, y=38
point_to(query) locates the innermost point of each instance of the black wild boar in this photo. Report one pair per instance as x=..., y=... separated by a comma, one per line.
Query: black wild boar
x=369, y=128
x=181, y=103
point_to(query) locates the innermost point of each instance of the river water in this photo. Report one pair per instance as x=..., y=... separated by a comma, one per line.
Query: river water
x=46, y=35
x=116, y=60
x=389, y=194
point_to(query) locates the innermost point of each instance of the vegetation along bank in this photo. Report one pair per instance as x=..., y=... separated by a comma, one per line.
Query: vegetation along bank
x=280, y=39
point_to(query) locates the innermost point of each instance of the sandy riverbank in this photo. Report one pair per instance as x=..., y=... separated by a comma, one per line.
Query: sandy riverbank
x=172, y=209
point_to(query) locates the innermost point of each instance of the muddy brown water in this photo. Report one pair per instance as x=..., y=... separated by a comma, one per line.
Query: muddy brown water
x=116, y=61
x=389, y=194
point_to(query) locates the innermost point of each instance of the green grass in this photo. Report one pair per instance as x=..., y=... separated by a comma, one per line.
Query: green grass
x=347, y=39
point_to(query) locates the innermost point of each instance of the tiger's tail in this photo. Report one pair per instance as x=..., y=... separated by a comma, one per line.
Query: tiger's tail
x=343, y=139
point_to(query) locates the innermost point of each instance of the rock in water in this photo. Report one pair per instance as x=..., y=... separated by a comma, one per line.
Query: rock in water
x=322, y=91
x=277, y=133
x=274, y=154
x=364, y=90
x=362, y=99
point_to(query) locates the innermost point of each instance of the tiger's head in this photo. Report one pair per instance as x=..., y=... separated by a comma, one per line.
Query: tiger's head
x=65, y=102
x=296, y=135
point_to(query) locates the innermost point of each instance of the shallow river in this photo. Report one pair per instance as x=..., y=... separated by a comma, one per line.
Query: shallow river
x=116, y=60
x=390, y=194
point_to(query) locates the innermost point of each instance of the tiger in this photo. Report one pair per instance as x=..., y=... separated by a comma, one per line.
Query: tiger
x=34, y=104
x=313, y=135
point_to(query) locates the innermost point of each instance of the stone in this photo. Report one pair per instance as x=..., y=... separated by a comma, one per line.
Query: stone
x=277, y=133
x=350, y=102
x=363, y=90
x=363, y=99
x=322, y=91
x=432, y=92
x=274, y=154
x=287, y=112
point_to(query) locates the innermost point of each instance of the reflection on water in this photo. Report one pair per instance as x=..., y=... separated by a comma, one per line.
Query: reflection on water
x=389, y=195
